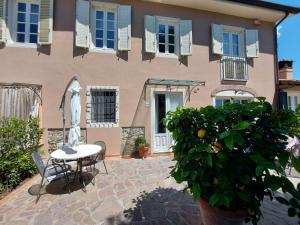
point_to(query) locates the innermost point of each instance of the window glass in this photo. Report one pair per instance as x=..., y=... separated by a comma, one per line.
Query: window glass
x=105, y=32
x=27, y=23
x=222, y=101
x=219, y=102
x=103, y=106
x=235, y=45
x=289, y=102
x=296, y=101
x=166, y=38
x=226, y=50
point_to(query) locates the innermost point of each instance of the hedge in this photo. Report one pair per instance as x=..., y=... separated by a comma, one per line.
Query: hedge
x=18, y=139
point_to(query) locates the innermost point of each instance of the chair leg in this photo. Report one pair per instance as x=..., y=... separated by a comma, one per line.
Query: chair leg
x=104, y=166
x=39, y=192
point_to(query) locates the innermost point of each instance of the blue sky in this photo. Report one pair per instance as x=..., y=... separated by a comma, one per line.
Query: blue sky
x=289, y=37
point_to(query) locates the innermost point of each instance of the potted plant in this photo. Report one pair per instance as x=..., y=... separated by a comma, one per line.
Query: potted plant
x=231, y=157
x=142, y=147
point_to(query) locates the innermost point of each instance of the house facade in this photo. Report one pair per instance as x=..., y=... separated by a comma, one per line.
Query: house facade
x=288, y=86
x=135, y=60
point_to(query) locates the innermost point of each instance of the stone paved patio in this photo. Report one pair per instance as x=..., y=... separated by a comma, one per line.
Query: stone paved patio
x=135, y=192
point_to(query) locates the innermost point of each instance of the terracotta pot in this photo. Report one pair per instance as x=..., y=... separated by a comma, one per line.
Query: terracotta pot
x=215, y=216
x=146, y=151
x=143, y=152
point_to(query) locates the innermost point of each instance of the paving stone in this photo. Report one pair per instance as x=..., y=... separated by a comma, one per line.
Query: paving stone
x=135, y=192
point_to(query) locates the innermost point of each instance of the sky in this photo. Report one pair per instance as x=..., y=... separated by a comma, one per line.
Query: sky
x=289, y=37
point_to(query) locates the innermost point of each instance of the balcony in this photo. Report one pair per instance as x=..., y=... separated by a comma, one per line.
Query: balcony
x=234, y=68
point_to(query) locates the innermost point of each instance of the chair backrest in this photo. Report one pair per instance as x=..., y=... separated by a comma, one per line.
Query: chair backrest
x=103, y=146
x=38, y=162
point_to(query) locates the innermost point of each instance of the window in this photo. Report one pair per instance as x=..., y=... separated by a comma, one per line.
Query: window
x=222, y=101
x=104, y=32
x=27, y=19
x=231, y=44
x=102, y=106
x=166, y=38
x=105, y=29
x=292, y=101
x=234, y=66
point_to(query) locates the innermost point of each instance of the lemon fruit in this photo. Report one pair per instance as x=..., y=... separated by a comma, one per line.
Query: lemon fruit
x=201, y=133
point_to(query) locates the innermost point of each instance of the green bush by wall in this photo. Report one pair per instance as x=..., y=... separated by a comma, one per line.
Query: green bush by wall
x=18, y=139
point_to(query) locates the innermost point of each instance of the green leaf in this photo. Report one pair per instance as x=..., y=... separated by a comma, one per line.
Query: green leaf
x=292, y=212
x=241, y=125
x=258, y=159
x=283, y=158
x=226, y=201
x=296, y=163
x=282, y=200
x=259, y=170
x=214, y=199
x=225, y=134
x=229, y=142
x=196, y=190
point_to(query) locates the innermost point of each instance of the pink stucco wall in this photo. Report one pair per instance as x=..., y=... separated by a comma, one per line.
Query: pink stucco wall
x=53, y=67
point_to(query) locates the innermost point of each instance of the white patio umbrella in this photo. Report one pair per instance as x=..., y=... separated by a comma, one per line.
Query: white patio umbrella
x=75, y=109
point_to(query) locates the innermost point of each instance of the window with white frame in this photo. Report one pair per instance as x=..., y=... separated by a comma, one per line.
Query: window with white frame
x=166, y=36
x=223, y=101
x=105, y=29
x=103, y=105
x=232, y=45
x=27, y=22
x=104, y=26
x=292, y=101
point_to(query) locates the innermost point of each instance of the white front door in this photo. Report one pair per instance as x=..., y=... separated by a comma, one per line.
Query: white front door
x=164, y=102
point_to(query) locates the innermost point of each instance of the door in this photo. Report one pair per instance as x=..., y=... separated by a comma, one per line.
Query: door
x=164, y=102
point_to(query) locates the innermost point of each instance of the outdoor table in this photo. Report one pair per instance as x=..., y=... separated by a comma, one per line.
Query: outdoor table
x=77, y=153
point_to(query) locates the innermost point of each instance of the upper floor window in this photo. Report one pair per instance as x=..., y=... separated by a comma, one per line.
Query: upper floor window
x=235, y=45
x=167, y=38
x=27, y=22
x=103, y=26
x=232, y=44
x=104, y=32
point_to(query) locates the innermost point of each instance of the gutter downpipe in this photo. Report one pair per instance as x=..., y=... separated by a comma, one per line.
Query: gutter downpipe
x=276, y=59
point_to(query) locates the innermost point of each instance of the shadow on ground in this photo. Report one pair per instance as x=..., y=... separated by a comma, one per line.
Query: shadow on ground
x=162, y=206
x=59, y=186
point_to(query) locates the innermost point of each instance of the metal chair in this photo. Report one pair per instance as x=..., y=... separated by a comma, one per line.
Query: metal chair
x=91, y=161
x=101, y=155
x=51, y=171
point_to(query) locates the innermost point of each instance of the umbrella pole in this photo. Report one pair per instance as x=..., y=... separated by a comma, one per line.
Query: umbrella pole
x=64, y=119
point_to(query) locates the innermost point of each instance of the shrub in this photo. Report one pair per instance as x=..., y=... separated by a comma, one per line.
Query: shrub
x=18, y=139
x=226, y=155
x=140, y=142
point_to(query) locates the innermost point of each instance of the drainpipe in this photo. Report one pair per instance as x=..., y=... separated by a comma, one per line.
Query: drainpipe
x=276, y=59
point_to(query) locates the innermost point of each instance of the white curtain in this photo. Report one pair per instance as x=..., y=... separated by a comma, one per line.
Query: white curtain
x=19, y=101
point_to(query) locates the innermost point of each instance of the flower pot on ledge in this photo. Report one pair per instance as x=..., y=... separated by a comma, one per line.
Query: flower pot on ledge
x=215, y=216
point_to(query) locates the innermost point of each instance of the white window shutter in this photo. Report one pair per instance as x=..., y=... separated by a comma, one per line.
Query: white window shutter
x=150, y=34
x=46, y=22
x=2, y=20
x=124, y=27
x=217, y=39
x=252, y=45
x=186, y=38
x=82, y=23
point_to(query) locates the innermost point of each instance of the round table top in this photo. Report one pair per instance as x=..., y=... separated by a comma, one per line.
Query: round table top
x=76, y=152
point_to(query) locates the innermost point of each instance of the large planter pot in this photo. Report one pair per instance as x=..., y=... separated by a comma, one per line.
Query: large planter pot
x=215, y=216
x=143, y=152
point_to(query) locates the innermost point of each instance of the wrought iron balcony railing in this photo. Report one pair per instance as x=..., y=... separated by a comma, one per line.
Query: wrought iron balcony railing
x=234, y=68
